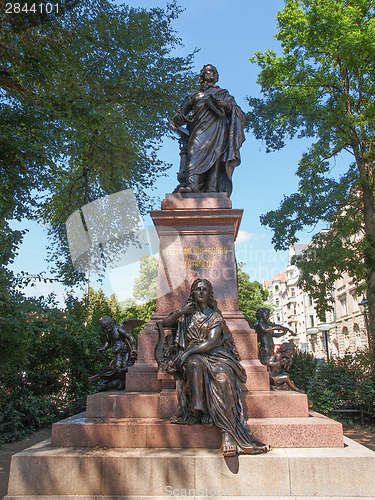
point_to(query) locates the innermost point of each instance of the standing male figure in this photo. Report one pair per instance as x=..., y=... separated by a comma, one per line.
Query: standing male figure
x=215, y=124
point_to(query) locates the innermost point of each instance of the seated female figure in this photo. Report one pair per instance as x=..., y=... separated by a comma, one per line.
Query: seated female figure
x=208, y=366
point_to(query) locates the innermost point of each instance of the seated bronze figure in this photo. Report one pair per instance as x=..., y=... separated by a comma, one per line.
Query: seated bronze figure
x=203, y=358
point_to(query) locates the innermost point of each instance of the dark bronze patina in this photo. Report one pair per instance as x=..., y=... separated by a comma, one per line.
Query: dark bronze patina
x=278, y=364
x=266, y=330
x=199, y=351
x=123, y=345
x=210, y=145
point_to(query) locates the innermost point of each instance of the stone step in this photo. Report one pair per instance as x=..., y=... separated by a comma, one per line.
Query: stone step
x=44, y=472
x=299, y=432
x=120, y=404
x=143, y=377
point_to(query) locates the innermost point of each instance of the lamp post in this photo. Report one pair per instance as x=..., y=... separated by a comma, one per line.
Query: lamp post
x=325, y=328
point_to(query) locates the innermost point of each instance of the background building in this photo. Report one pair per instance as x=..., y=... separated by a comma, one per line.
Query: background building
x=344, y=330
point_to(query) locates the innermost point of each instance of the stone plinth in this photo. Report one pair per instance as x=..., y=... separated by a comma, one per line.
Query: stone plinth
x=197, y=234
x=314, y=431
x=256, y=404
x=44, y=472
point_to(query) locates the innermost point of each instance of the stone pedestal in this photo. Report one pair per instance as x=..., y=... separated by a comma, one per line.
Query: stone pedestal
x=197, y=234
x=47, y=473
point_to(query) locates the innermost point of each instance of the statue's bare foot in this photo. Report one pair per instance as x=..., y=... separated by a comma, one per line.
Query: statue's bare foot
x=207, y=420
x=262, y=449
x=185, y=189
x=229, y=446
x=176, y=419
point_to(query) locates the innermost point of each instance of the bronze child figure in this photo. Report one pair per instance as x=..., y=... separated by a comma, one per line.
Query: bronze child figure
x=266, y=330
x=123, y=345
x=278, y=365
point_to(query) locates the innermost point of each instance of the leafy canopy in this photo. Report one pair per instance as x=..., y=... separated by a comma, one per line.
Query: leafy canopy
x=322, y=87
x=86, y=97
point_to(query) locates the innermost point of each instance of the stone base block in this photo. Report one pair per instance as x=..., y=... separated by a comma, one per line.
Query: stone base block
x=119, y=404
x=143, y=377
x=43, y=472
x=299, y=432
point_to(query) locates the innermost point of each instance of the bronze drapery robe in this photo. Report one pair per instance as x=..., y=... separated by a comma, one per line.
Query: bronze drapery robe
x=212, y=380
x=216, y=135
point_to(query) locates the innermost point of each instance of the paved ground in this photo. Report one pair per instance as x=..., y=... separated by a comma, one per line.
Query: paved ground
x=363, y=435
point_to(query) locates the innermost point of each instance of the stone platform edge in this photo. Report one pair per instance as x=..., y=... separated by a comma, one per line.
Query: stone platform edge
x=315, y=431
x=97, y=474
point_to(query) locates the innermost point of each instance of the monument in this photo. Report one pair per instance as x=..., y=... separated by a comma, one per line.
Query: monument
x=125, y=445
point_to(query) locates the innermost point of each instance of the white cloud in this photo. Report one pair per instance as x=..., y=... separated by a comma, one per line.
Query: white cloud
x=243, y=236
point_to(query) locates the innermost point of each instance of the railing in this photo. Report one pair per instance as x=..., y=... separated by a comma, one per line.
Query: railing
x=361, y=412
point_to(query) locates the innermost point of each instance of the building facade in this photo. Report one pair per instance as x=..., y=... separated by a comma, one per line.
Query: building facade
x=344, y=330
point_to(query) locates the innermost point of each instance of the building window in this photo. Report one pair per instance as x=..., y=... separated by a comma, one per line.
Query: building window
x=278, y=317
x=276, y=288
x=310, y=300
x=357, y=333
x=311, y=320
x=354, y=302
x=344, y=307
x=358, y=341
x=293, y=292
x=277, y=302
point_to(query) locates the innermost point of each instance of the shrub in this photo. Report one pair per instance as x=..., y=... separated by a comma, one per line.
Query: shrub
x=343, y=383
x=47, y=356
x=303, y=369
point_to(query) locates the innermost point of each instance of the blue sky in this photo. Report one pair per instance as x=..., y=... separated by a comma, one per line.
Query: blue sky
x=227, y=34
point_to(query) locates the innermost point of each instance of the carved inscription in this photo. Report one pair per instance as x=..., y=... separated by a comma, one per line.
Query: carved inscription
x=191, y=252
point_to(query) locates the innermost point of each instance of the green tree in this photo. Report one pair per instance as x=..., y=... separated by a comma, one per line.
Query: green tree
x=251, y=295
x=145, y=285
x=127, y=303
x=322, y=87
x=86, y=97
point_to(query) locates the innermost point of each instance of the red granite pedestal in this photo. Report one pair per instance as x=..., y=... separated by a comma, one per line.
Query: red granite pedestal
x=124, y=445
x=197, y=234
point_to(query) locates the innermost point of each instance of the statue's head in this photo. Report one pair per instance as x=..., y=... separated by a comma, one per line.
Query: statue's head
x=262, y=312
x=211, y=301
x=286, y=349
x=106, y=321
x=208, y=74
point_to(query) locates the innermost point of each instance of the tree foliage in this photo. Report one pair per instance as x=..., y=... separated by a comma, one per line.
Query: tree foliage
x=251, y=295
x=322, y=87
x=145, y=285
x=47, y=356
x=85, y=97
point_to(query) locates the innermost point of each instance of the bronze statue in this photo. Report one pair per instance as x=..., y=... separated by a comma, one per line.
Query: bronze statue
x=278, y=364
x=266, y=330
x=200, y=352
x=210, y=146
x=124, y=350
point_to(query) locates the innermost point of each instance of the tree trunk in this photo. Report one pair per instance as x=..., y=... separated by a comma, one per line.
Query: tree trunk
x=369, y=255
